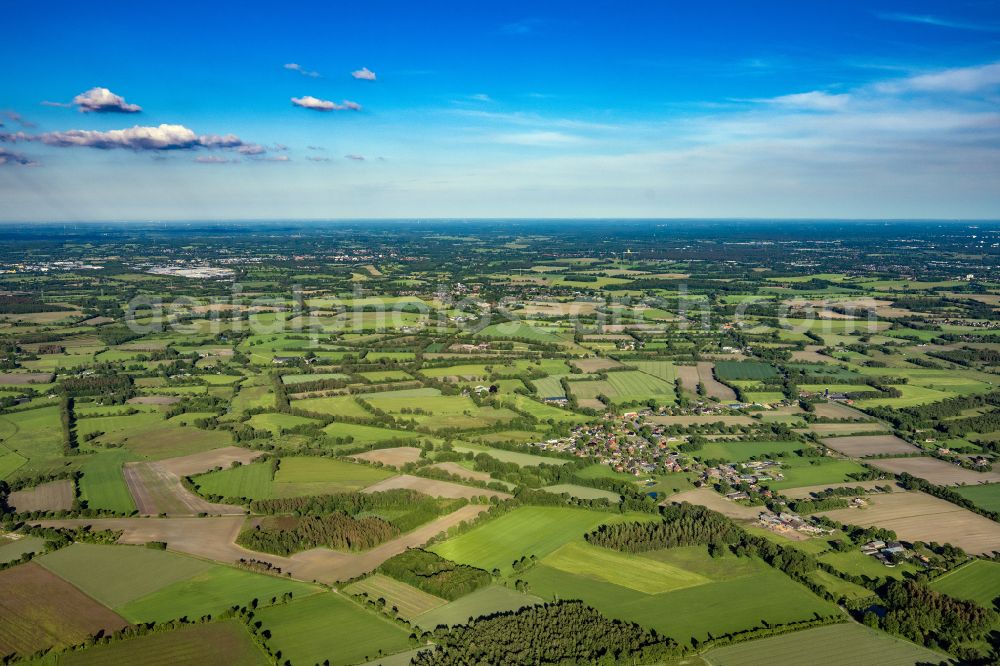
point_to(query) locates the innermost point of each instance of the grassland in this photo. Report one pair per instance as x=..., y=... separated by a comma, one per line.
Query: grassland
x=814, y=471
x=330, y=627
x=209, y=593
x=977, y=581
x=742, y=451
x=986, y=496
x=641, y=574
x=102, y=485
x=364, y=434
x=531, y=530
x=583, y=492
x=296, y=476
x=834, y=645
x=484, y=601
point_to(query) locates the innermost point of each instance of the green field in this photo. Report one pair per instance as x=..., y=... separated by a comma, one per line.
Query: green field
x=726, y=604
x=845, y=644
x=210, y=592
x=215, y=644
x=583, y=492
x=102, y=485
x=986, y=496
x=338, y=405
x=331, y=626
x=364, y=434
x=743, y=451
x=977, y=581
x=296, y=476
x=117, y=575
x=729, y=370
x=486, y=600
x=11, y=550
x=814, y=471
x=530, y=530
x=35, y=436
x=626, y=386
x=641, y=574
x=276, y=422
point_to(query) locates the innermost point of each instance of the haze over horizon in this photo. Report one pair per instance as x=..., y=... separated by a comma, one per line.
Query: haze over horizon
x=501, y=110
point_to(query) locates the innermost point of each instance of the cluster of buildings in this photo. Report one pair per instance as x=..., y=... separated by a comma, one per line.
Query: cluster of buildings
x=889, y=552
x=789, y=522
x=621, y=449
x=751, y=473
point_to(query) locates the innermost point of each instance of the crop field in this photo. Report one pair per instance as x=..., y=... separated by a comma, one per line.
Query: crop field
x=728, y=370
x=12, y=549
x=716, y=502
x=716, y=606
x=116, y=575
x=433, y=487
x=253, y=481
x=317, y=476
x=583, y=492
x=484, y=601
x=331, y=627
x=814, y=471
x=829, y=429
x=516, y=457
x=365, y=434
x=40, y=610
x=532, y=530
x=516, y=330
x=395, y=457
x=209, y=593
x=156, y=490
x=338, y=405
x=845, y=644
x=224, y=643
x=742, y=451
x=36, y=436
x=626, y=386
x=916, y=516
x=410, y=601
x=936, y=471
x=275, y=423
x=103, y=485
x=978, y=581
x=986, y=496
x=859, y=446
x=641, y=574
x=52, y=496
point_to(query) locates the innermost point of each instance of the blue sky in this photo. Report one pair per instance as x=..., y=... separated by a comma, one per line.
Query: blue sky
x=147, y=111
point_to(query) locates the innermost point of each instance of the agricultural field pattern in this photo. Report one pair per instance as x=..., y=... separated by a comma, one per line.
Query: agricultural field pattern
x=387, y=443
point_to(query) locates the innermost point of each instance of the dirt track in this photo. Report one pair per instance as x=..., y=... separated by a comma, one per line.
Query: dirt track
x=214, y=539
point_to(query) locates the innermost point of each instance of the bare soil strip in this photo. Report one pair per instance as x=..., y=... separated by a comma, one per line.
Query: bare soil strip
x=433, y=487
x=157, y=490
x=859, y=446
x=916, y=516
x=395, y=457
x=52, y=496
x=214, y=539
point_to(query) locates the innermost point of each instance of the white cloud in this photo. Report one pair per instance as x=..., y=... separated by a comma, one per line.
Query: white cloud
x=928, y=19
x=816, y=100
x=539, y=138
x=364, y=74
x=314, y=158
x=481, y=97
x=163, y=137
x=102, y=100
x=310, y=102
x=958, y=80
x=214, y=159
x=295, y=67
x=355, y=157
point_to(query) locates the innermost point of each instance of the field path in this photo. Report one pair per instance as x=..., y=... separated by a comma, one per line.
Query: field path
x=215, y=539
